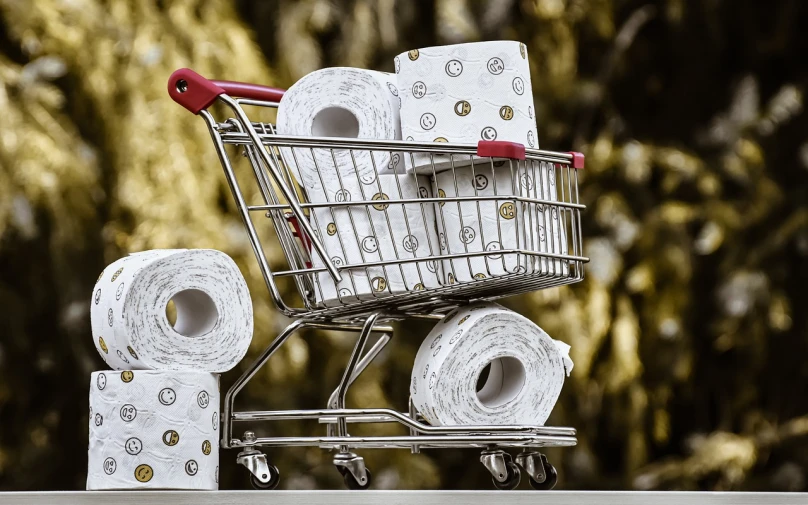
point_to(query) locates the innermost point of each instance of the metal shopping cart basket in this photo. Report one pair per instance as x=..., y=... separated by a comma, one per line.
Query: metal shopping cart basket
x=479, y=223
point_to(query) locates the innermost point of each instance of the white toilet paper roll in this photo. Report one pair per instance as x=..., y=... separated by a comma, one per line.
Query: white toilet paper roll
x=465, y=93
x=153, y=430
x=340, y=102
x=380, y=232
x=214, y=323
x=526, y=369
x=494, y=225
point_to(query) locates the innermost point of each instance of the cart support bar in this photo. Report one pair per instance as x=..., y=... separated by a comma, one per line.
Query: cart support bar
x=196, y=93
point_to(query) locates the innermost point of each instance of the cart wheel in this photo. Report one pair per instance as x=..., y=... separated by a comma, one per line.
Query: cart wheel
x=274, y=479
x=512, y=480
x=350, y=481
x=551, y=477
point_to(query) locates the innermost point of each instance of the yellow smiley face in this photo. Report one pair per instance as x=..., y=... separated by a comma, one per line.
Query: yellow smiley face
x=441, y=194
x=451, y=278
x=507, y=210
x=380, y=196
x=418, y=287
x=144, y=473
x=127, y=376
x=479, y=276
x=462, y=108
x=116, y=274
x=506, y=112
x=131, y=351
x=331, y=229
x=463, y=320
x=206, y=447
x=413, y=55
x=440, y=139
x=378, y=284
x=103, y=345
x=171, y=438
x=99, y=277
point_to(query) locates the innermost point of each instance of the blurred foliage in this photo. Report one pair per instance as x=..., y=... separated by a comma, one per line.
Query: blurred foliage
x=688, y=335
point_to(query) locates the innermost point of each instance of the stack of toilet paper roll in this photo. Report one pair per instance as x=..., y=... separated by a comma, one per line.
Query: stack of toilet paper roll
x=154, y=418
x=486, y=365
x=460, y=93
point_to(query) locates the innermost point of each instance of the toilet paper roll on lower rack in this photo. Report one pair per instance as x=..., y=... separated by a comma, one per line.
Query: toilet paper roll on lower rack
x=214, y=319
x=495, y=225
x=153, y=429
x=526, y=369
x=340, y=102
x=358, y=234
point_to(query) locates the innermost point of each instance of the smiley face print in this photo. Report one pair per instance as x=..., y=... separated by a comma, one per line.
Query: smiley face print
x=432, y=266
x=369, y=244
x=526, y=181
x=432, y=380
x=103, y=345
x=419, y=89
x=488, y=133
x=337, y=261
x=394, y=161
x=110, y=466
x=331, y=229
x=480, y=182
x=343, y=195
x=530, y=111
x=203, y=399
x=397, y=64
x=127, y=376
x=507, y=210
x=379, y=197
x=495, y=65
x=413, y=54
x=128, y=412
x=506, y=112
x=518, y=85
x=99, y=419
x=523, y=50
x=428, y=121
x=344, y=292
x=467, y=234
x=442, y=241
x=116, y=274
x=110, y=317
x=122, y=357
x=541, y=233
x=131, y=352
x=171, y=438
x=191, y=467
x=133, y=446
x=426, y=371
x=97, y=296
x=392, y=88
x=144, y=473
x=206, y=447
x=463, y=320
x=454, y=68
x=119, y=291
x=167, y=396
x=418, y=287
x=462, y=108
x=214, y=421
x=456, y=336
x=531, y=138
x=441, y=139
x=410, y=243
x=101, y=381
x=441, y=194
x=378, y=284
x=479, y=276
x=368, y=178
x=423, y=192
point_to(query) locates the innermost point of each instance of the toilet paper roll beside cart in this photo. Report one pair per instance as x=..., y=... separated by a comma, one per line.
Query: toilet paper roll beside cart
x=282, y=205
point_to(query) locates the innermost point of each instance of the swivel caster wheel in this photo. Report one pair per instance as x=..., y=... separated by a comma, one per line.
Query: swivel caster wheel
x=273, y=475
x=353, y=470
x=543, y=475
x=504, y=473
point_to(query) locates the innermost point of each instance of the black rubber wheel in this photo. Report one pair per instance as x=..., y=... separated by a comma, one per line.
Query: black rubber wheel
x=274, y=479
x=350, y=481
x=551, y=477
x=512, y=479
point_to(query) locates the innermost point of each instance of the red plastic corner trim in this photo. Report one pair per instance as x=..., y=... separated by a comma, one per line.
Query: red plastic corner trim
x=500, y=149
x=577, y=160
x=191, y=90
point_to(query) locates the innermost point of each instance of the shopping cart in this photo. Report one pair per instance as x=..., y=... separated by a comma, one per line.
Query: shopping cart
x=537, y=239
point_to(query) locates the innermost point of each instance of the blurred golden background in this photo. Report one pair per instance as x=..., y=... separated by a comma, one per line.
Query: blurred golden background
x=689, y=334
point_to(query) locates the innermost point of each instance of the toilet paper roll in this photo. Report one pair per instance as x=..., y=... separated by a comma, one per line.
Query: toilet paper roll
x=381, y=232
x=465, y=93
x=214, y=320
x=153, y=429
x=526, y=369
x=494, y=225
x=340, y=102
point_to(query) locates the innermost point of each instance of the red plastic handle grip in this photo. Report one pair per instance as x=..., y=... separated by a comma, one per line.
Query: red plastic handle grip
x=500, y=149
x=197, y=93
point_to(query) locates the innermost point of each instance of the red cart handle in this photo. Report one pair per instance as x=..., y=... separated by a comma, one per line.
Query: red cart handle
x=197, y=93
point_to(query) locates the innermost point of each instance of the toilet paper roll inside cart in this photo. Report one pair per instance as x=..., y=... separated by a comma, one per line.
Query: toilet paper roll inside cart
x=214, y=319
x=153, y=429
x=491, y=225
x=340, y=102
x=526, y=369
x=395, y=233
x=465, y=93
